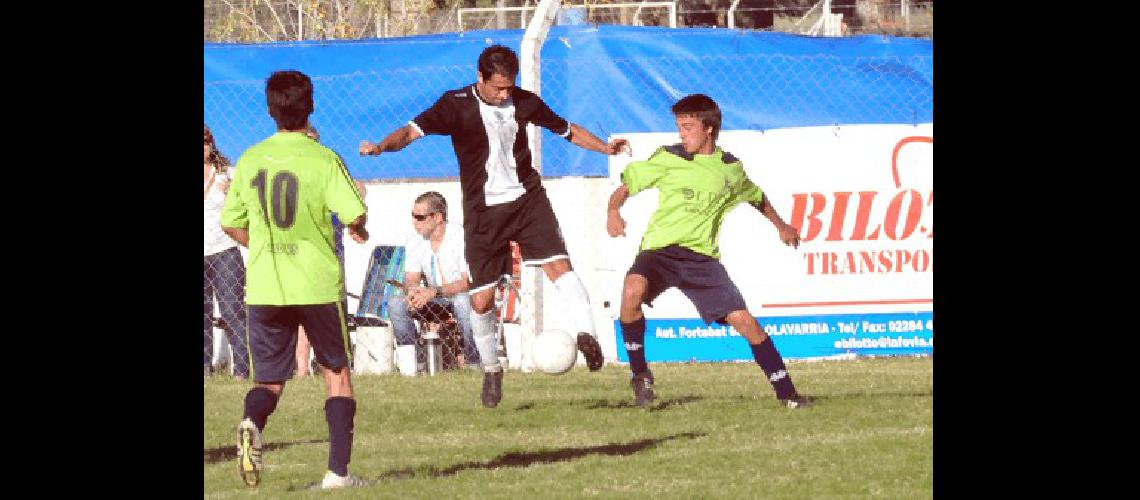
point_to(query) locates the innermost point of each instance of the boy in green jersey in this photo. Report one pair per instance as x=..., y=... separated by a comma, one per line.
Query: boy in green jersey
x=698, y=184
x=284, y=192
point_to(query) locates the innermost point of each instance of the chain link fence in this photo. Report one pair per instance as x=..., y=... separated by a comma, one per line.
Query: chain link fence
x=280, y=20
x=361, y=105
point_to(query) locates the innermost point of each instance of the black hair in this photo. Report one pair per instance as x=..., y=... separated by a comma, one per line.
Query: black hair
x=498, y=60
x=290, y=97
x=701, y=107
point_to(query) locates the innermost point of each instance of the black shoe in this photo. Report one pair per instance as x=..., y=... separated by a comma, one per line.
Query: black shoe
x=642, y=384
x=797, y=402
x=492, y=388
x=592, y=350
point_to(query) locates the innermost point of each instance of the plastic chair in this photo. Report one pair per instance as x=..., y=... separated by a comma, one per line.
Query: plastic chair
x=386, y=263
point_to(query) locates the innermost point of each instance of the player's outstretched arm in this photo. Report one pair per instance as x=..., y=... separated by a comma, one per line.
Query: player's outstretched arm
x=394, y=142
x=788, y=234
x=582, y=138
x=615, y=225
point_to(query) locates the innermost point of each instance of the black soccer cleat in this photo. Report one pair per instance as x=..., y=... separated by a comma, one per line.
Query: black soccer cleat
x=492, y=388
x=642, y=384
x=592, y=350
x=797, y=402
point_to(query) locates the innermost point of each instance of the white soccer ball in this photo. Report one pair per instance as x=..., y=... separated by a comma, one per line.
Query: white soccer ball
x=555, y=352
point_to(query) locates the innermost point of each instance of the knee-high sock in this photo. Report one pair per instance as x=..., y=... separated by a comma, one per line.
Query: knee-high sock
x=259, y=403
x=576, y=303
x=773, y=365
x=483, y=330
x=634, y=335
x=340, y=412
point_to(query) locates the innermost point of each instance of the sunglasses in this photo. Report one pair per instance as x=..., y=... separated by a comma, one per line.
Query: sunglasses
x=420, y=217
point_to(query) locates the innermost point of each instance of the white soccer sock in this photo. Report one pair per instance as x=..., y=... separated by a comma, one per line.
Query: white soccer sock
x=577, y=303
x=483, y=331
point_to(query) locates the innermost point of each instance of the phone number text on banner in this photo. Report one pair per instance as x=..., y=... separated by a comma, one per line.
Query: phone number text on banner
x=796, y=337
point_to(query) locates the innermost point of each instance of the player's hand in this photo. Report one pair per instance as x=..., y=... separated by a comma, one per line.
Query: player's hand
x=359, y=237
x=416, y=297
x=617, y=146
x=369, y=149
x=615, y=225
x=789, y=236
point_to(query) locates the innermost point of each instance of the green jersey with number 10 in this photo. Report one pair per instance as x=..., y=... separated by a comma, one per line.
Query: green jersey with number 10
x=284, y=191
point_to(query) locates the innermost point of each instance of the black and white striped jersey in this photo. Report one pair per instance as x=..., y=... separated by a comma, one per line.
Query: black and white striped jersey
x=491, y=142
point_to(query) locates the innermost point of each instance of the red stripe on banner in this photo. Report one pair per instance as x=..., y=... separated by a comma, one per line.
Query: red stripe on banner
x=851, y=303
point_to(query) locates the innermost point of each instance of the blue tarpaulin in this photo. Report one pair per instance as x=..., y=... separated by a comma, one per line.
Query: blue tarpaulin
x=608, y=79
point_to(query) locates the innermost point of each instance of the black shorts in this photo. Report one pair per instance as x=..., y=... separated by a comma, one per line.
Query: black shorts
x=273, y=338
x=701, y=278
x=528, y=220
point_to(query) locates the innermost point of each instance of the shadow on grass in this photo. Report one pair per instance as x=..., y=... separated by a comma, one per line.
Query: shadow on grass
x=226, y=453
x=528, y=458
x=661, y=405
x=615, y=405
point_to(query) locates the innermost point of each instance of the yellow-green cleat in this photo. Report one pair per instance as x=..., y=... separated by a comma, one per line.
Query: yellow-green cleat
x=249, y=452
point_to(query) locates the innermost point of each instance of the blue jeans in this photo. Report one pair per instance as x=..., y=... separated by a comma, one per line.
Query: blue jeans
x=405, y=330
x=224, y=278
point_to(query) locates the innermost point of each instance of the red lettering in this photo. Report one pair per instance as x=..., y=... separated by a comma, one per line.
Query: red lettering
x=838, y=214
x=903, y=215
x=862, y=215
x=868, y=262
x=800, y=217
x=930, y=228
x=901, y=258
x=913, y=214
x=885, y=261
x=921, y=261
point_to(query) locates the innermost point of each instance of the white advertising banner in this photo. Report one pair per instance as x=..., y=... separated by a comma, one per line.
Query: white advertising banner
x=862, y=199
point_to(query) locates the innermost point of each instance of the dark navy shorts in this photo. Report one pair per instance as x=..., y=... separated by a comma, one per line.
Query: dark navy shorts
x=488, y=234
x=273, y=338
x=701, y=278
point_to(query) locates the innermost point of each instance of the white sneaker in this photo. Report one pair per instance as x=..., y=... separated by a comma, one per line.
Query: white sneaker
x=249, y=452
x=333, y=481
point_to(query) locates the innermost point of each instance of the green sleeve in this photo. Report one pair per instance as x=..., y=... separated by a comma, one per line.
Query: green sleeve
x=343, y=199
x=641, y=175
x=750, y=192
x=235, y=213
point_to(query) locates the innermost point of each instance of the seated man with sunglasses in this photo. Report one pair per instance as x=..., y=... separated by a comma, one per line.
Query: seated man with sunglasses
x=437, y=255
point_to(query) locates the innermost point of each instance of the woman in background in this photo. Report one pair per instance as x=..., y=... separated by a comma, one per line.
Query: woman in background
x=223, y=267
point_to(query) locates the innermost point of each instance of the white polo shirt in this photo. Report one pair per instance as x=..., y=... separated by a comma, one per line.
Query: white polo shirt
x=446, y=265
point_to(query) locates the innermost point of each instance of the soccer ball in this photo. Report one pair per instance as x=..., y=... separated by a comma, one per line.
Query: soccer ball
x=555, y=352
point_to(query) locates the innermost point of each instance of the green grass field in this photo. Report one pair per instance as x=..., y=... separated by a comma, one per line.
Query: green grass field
x=715, y=431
